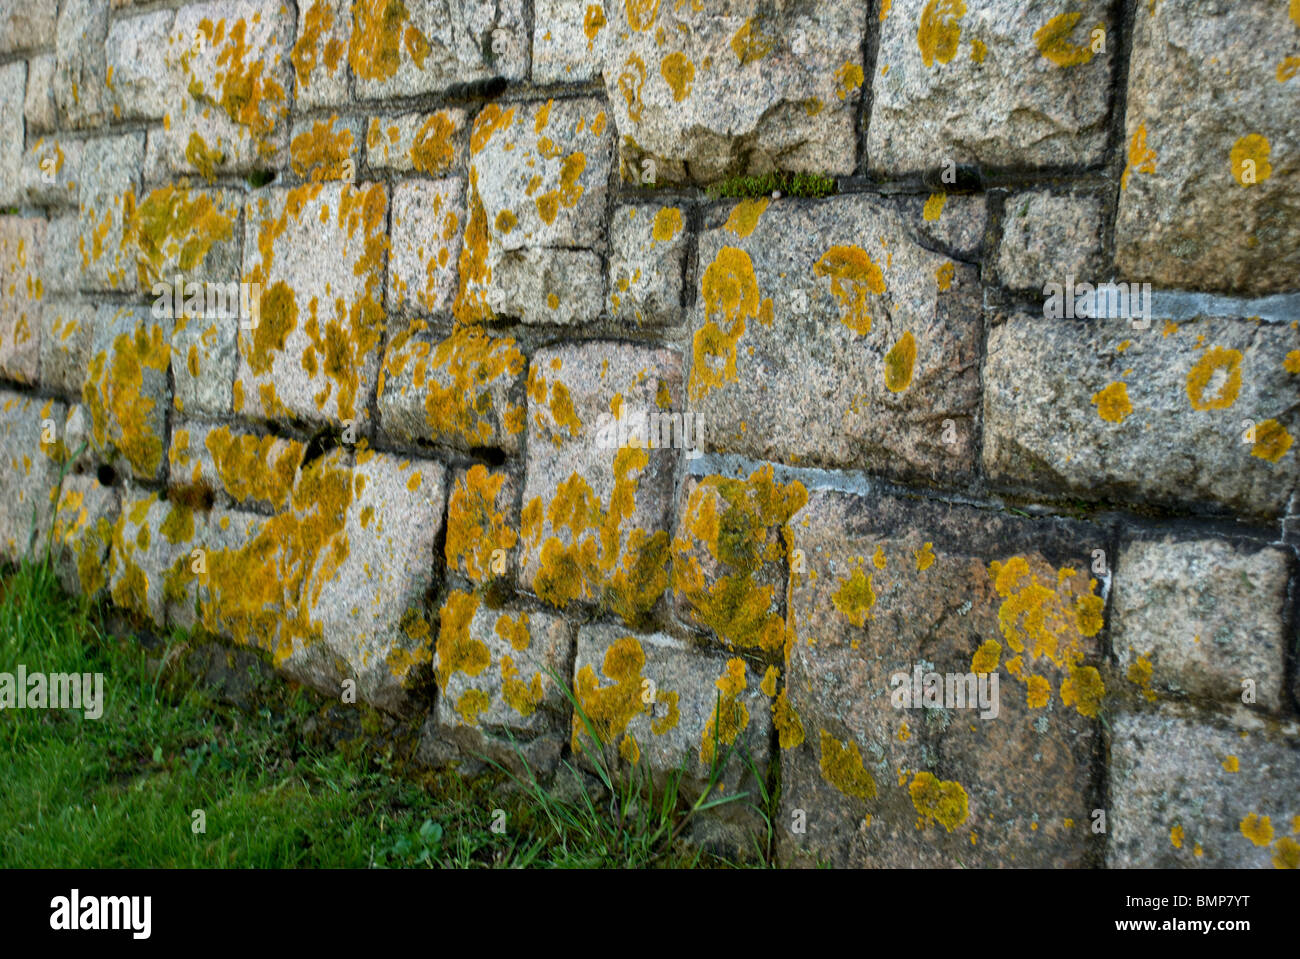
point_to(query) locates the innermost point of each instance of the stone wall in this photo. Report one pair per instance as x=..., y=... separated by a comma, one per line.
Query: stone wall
x=316, y=319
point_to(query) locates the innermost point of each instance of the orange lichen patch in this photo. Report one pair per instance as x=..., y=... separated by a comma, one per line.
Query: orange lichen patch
x=247, y=96
x=203, y=158
x=1049, y=622
x=1214, y=382
x=939, y=801
x=120, y=413
x=1140, y=673
x=742, y=525
x=1249, y=160
x=1112, y=402
x=986, y=657
x=592, y=21
x=1053, y=40
x=174, y=225
x=1271, y=441
x=1232, y=764
x=749, y=44
x=1257, y=829
x=855, y=596
x=514, y=631
x=1140, y=157
x=474, y=272
x=729, y=288
x=853, y=275
x=1287, y=68
x=476, y=528
x=641, y=13
x=679, y=73
x=940, y=30
x=744, y=216
x=841, y=766
x=1286, y=854
x=1038, y=692
x=252, y=468
x=321, y=153
x=789, y=728
x=523, y=698
x=847, y=79
x=472, y=702
x=768, y=686
x=978, y=50
x=1176, y=837
x=610, y=708
x=933, y=208
x=667, y=224
x=86, y=541
x=458, y=651
x=924, y=557
x=491, y=119
x=506, y=221
x=432, y=150
x=567, y=193
x=944, y=274
x=1292, y=362
x=380, y=32
x=730, y=717
x=899, y=363
x=455, y=378
x=278, y=318
x=630, y=82
x=307, y=52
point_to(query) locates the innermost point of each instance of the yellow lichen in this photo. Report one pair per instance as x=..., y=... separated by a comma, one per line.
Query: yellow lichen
x=940, y=30
x=939, y=801
x=841, y=766
x=853, y=275
x=1112, y=402
x=1215, y=380
x=899, y=362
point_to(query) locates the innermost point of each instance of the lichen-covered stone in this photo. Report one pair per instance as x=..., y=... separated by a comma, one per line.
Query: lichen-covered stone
x=82, y=533
x=647, y=250
x=39, y=107
x=482, y=525
x=68, y=330
x=252, y=471
x=566, y=40
x=1202, y=411
x=408, y=49
x=1001, y=85
x=137, y=82
x=317, y=252
x=22, y=242
x=196, y=234
x=51, y=171
x=1189, y=791
x=1202, y=617
x=462, y=390
x=27, y=24
x=126, y=389
x=320, y=53
x=230, y=78
x=1210, y=196
x=326, y=149
x=207, y=356
x=595, y=517
x=1048, y=238
x=29, y=472
x=430, y=143
x=954, y=222
x=151, y=555
x=882, y=586
x=109, y=180
x=496, y=689
x=824, y=334
x=80, y=66
x=702, y=93
x=13, y=79
x=537, y=184
x=428, y=225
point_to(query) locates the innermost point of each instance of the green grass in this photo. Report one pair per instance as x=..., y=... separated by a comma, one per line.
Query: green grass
x=796, y=184
x=120, y=791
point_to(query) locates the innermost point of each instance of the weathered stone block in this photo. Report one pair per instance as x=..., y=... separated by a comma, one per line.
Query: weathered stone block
x=66, y=338
x=954, y=222
x=22, y=243
x=825, y=335
x=880, y=775
x=1002, y=85
x=1210, y=198
x=13, y=79
x=80, y=67
x=207, y=356
x=1047, y=238
x=150, y=559
x=431, y=143
x=482, y=525
x=137, y=82
x=702, y=93
x=320, y=54
x=646, y=258
x=39, y=107
x=1188, y=792
x=317, y=252
x=27, y=24
x=29, y=472
x=1202, y=617
x=566, y=40
x=83, y=532
x=252, y=471
x=595, y=515
x=326, y=149
x=193, y=233
x=428, y=225
x=51, y=169
x=1201, y=411
x=109, y=179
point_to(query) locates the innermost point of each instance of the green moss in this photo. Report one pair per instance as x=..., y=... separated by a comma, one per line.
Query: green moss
x=796, y=184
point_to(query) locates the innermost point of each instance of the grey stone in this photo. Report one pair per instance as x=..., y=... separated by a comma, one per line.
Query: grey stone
x=206, y=357
x=66, y=336
x=51, y=171
x=22, y=248
x=27, y=24
x=29, y=473
x=82, y=534
x=427, y=227
x=39, y=107
x=320, y=54
x=13, y=77
x=566, y=35
x=431, y=143
x=110, y=171
x=647, y=250
x=953, y=222
x=1047, y=238
x=80, y=65
x=136, y=55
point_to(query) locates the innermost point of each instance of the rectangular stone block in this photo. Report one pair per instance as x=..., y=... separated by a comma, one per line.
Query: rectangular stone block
x=567, y=38
x=482, y=525
x=51, y=171
x=82, y=533
x=27, y=24
x=136, y=54
x=427, y=227
x=66, y=339
x=646, y=261
x=13, y=97
x=1191, y=792
x=254, y=472
x=886, y=767
x=320, y=54
x=326, y=149
x=109, y=180
x=184, y=236
x=1209, y=199
x=22, y=242
x=80, y=67
x=824, y=334
x=1197, y=412
x=149, y=561
x=432, y=143
x=29, y=472
x=1202, y=617
x=39, y=107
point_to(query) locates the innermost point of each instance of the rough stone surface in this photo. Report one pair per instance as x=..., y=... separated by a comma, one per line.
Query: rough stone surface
x=431, y=143
x=51, y=171
x=82, y=533
x=194, y=234
x=953, y=223
x=893, y=584
x=823, y=335
x=22, y=243
x=27, y=24
x=251, y=471
x=1210, y=196
x=66, y=336
x=39, y=107
x=1178, y=800
x=328, y=149
x=1002, y=85
x=1048, y=238
x=314, y=351
x=595, y=518
x=207, y=356
x=1175, y=431
x=566, y=40
x=494, y=671
x=1199, y=617
x=109, y=178
x=482, y=524
x=80, y=65
x=136, y=53
x=701, y=93
x=13, y=76
x=320, y=53
x=29, y=472
x=428, y=225
x=463, y=390
x=647, y=250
